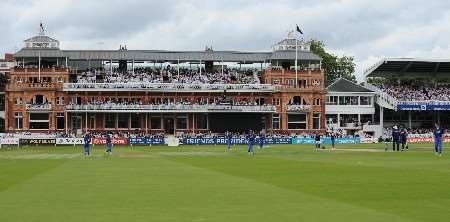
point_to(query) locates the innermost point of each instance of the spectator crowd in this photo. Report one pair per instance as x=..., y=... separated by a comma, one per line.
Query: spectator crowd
x=415, y=91
x=171, y=75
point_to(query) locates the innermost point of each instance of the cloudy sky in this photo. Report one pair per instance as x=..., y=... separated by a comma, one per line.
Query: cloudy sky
x=367, y=30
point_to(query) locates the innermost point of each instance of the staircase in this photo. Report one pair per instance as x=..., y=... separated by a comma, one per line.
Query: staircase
x=382, y=99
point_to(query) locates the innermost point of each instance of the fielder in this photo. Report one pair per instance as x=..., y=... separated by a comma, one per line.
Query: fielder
x=109, y=144
x=438, y=134
x=87, y=142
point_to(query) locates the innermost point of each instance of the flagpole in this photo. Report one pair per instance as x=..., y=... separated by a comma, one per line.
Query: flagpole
x=39, y=76
x=296, y=60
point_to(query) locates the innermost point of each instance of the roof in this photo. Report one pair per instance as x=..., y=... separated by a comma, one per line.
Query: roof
x=344, y=85
x=43, y=52
x=290, y=41
x=409, y=67
x=161, y=55
x=41, y=38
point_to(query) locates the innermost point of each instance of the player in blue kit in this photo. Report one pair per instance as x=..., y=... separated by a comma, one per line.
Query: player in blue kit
x=87, y=142
x=402, y=138
x=262, y=140
x=109, y=144
x=229, y=137
x=438, y=136
x=250, y=141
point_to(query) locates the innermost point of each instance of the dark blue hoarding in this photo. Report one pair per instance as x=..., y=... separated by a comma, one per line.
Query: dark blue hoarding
x=222, y=141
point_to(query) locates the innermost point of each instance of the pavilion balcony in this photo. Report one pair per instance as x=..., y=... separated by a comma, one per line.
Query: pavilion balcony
x=168, y=87
x=175, y=108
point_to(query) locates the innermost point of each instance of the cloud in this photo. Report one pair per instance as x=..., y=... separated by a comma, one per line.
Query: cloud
x=367, y=30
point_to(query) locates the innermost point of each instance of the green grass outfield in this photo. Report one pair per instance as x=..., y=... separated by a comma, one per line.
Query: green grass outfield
x=206, y=183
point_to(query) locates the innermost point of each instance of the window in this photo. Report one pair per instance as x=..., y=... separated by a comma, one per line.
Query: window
x=297, y=100
x=135, y=121
x=122, y=120
x=365, y=100
x=60, y=80
x=46, y=79
x=316, y=82
x=59, y=100
x=39, y=121
x=110, y=120
x=18, y=120
x=60, y=121
x=155, y=122
x=76, y=100
x=348, y=100
x=18, y=80
x=316, y=121
x=276, y=121
x=201, y=121
x=182, y=122
x=275, y=81
x=290, y=82
x=302, y=83
x=297, y=121
x=316, y=102
x=18, y=101
x=91, y=121
x=276, y=101
x=332, y=100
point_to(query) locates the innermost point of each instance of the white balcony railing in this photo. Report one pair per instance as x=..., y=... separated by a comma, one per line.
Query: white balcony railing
x=383, y=99
x=298, y=108
x=170, y=108
x=39, y=107
x=168, y=87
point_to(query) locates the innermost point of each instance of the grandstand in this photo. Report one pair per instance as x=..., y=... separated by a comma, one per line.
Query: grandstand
x=171, y=92
x=414, y=93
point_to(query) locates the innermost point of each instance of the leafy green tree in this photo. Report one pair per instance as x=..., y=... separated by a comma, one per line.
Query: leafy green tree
x=333, y=65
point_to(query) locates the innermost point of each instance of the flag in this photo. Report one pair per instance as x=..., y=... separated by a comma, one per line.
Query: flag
x=299, y=30
x=42, y=26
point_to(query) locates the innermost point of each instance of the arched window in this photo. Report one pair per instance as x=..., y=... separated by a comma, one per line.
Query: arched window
x=298, y=100
x=39, y=99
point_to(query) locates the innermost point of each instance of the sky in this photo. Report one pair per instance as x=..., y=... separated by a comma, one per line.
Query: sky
x=366, y=30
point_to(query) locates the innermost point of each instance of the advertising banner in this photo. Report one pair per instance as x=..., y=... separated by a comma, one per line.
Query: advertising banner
x=146, y=141
x=223, y=141
x=369, y=140
x=69, y=141
x=9, y=141
x=37, y=141
x=426, y=139
x=423, y=107
x=119, y=141
x=325, y=140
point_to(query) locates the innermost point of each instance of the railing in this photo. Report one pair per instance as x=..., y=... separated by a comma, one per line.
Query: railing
x=351, y=125
x=174, y=107
x=298, y=108
x=39, y=107
x=142, y=86
x=37, y=85
x=383, y=97
x=303, y=71
x=46, y=70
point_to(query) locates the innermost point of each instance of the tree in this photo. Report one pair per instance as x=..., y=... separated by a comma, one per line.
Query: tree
x=334, y=66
